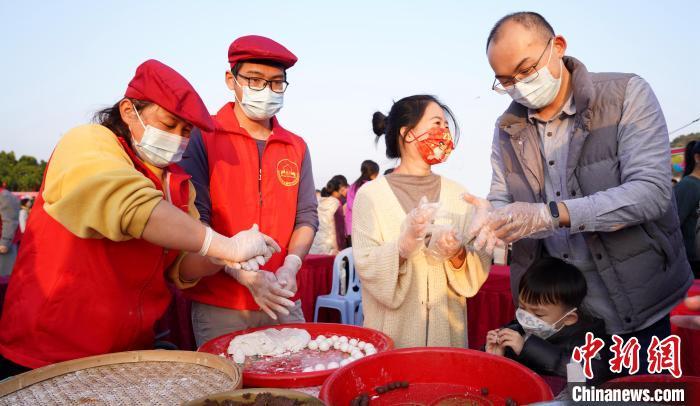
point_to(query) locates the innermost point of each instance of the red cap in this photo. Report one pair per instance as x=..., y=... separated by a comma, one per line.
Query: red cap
x=257, y=47
x=158, y=83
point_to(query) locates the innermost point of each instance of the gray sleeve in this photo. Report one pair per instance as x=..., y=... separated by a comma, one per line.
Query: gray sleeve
x=9, y=212
x=196, y=164
x=644, y=153
x=307, y=214
x=498, y=195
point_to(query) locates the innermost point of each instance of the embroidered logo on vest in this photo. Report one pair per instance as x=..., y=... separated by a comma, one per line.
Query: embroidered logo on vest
x=288, y=172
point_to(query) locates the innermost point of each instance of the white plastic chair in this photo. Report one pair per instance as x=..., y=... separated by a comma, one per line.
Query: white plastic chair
x=335, y=300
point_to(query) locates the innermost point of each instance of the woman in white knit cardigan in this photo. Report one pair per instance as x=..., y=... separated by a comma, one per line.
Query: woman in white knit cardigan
x=414, y=293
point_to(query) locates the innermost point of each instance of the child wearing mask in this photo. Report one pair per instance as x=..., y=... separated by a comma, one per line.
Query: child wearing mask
x=549, y=321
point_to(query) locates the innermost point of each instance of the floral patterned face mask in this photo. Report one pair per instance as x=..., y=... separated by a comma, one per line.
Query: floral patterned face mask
x=434, y=145
x=535, y=326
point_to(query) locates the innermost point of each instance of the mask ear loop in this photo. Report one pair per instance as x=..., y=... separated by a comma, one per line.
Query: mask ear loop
x=563, y=317
x=137, y=114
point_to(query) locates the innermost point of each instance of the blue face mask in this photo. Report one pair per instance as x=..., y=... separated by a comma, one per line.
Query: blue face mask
x=260, y=104
x=159, y=148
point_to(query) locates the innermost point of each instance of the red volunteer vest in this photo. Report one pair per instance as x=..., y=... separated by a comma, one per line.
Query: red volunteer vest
x=71, y=297
x=244, y=192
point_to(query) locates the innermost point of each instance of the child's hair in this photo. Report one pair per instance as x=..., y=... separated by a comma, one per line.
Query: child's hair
x=333, y=185
x=552, y=281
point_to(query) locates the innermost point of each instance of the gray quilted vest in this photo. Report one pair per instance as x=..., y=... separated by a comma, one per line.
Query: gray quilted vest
x=644, y=267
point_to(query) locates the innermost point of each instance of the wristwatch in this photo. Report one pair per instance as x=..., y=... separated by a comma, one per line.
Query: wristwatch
x=554, y=211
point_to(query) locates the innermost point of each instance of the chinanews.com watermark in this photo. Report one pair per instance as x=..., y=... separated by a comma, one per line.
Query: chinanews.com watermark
x=663, y=357
x=657, y=393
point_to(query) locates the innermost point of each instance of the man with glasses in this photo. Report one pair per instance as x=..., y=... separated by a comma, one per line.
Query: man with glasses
x=581, y=172
x=251, y=171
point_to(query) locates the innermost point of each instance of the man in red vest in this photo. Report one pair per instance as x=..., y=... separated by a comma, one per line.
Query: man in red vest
x=250, y=171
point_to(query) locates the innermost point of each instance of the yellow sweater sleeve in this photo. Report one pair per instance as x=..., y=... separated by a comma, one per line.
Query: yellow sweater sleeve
x=174, y=270
x=93, y=189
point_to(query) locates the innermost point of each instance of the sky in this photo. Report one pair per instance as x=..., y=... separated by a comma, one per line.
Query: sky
x=63, y=60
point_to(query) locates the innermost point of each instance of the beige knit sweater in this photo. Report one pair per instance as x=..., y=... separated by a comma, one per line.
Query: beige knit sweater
x=420, y=303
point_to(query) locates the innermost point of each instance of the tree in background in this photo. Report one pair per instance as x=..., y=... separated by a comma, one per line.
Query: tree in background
x=682, y=140
x=23, y=174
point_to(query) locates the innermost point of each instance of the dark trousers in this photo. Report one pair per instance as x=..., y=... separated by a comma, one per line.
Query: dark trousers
x=9, y=368
x=661, y=329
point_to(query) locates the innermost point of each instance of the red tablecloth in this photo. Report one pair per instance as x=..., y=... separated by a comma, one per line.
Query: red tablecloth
x=4, y=281
x=314, y=279
x=491, y=308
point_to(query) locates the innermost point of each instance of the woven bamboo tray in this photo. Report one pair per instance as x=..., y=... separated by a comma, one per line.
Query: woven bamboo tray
x=239, y=395
x=153, y=377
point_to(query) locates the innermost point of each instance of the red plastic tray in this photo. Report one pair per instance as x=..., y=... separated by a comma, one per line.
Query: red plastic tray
x=287, y=379
x=435, y=374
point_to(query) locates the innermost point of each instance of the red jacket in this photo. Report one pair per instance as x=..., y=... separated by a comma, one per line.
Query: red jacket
x=245, y=192
x=71, y=297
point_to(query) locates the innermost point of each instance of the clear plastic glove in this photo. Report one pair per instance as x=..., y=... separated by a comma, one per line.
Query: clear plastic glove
x=248, y=249
x=287, y=273
x=479, y=237
x=444, y=242
x=522, y=220
x=267, y=292
x=415, y=227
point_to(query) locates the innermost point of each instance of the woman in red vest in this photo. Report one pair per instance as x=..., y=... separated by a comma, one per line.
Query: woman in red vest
x=113, y=217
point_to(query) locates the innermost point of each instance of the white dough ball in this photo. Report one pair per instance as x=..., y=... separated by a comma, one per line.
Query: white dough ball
x=324, y=346
x=336, y=345
x=321, y=338
x=329, y=342
x=308, y=369
x=353, y=342
x=313, y=345
x=345, y=361
x=370, y=351
x=361, y=345
x=343, y=339
x=319, y=367
x=332, y=365
x=334, y=338
x=368, y=346
x=344, y=347
x=357, y=354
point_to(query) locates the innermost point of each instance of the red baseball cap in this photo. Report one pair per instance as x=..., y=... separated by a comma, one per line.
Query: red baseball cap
x=158, y=83
x=257, y=47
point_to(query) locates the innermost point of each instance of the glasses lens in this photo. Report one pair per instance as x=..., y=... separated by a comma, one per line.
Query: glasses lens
x=257, y=83
x=278, y=86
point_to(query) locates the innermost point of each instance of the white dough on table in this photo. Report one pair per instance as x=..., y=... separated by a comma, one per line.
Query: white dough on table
x=270, y=342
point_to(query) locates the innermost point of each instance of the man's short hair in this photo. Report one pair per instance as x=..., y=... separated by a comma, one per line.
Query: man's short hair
x=528, y=19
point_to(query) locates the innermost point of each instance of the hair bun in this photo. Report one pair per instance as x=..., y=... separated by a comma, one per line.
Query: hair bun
x=379, y=123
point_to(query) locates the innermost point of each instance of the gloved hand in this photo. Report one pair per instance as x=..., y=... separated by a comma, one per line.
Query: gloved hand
x=479, y=237
x=415, y=226
x=287, y=273
x=266, y=290
x=522, y=220
x=249, y=248
x=444, y=242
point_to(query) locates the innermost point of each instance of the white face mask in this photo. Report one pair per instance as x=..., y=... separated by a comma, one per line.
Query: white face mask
x=159, y=148
x=541, y=91
x=535, y=326
x=259, y=104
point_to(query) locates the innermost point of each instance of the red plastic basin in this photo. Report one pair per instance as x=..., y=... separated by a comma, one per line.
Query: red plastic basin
x=279, y=378
x=435, y=373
